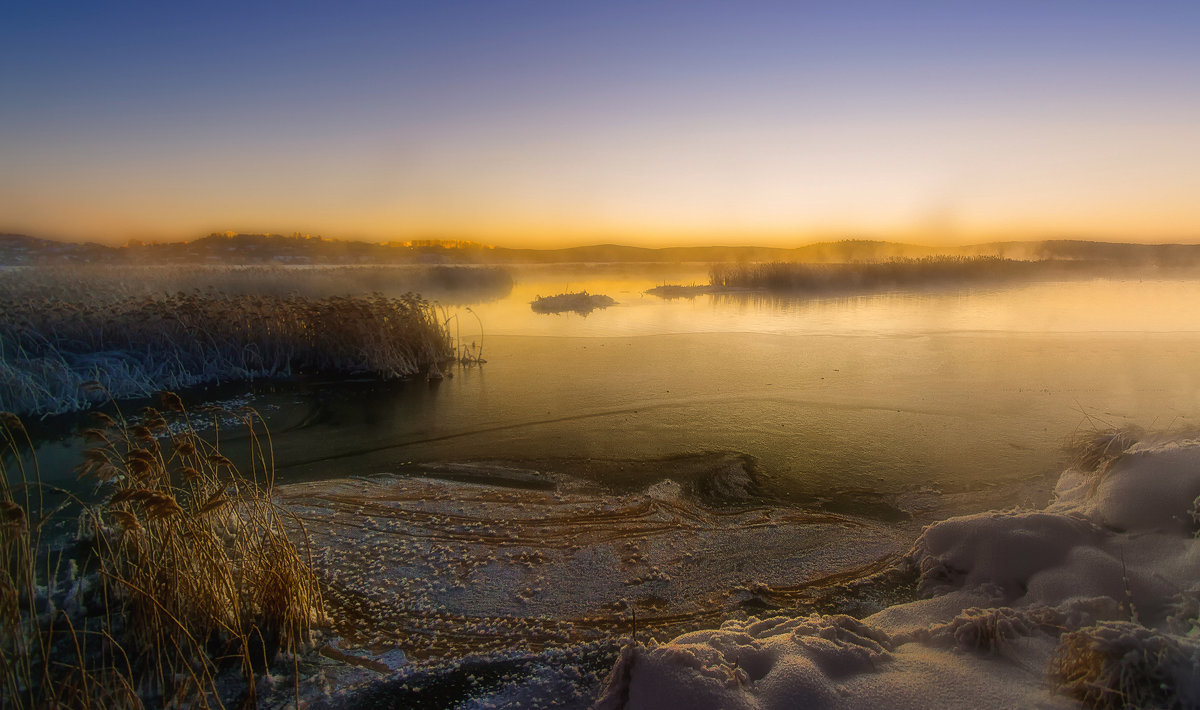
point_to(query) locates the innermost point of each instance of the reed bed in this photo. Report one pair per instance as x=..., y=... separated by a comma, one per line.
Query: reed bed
x=879, y=275
x=183, y=584
x=53, y=342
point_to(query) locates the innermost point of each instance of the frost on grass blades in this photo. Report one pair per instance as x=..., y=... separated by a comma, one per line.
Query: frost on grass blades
x=1092, y=601
x=53, y=340
x=183, y=584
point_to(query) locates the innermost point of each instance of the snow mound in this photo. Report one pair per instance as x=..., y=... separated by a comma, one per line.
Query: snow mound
x=1093, y=599
x=1151, y=486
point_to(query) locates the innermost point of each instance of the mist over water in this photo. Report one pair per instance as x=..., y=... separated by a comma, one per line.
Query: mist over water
x=916, y=402
x=699, y=458
x=437, y=355
x=693, y=459
x=922, y=398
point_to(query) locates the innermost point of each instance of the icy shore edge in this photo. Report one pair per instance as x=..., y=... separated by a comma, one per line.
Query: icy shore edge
x=1092, y=600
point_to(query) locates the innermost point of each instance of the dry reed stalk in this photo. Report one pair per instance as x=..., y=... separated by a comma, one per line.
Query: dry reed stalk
x=197, y=574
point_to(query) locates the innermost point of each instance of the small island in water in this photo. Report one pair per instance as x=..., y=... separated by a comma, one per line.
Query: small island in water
x=581, y=302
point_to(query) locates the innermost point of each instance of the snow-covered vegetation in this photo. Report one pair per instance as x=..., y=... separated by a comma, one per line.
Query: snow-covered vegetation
x=1092, y=600
x=63, y=329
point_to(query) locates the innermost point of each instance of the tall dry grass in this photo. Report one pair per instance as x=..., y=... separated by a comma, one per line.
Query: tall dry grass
x=185, y=574
x=42, y=652
x=54, y=341
x=876, y=275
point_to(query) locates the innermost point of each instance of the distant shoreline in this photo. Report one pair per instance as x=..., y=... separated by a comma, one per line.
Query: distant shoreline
x=262, y=249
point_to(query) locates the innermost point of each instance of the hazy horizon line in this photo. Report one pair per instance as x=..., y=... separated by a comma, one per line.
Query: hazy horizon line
x=617, y=241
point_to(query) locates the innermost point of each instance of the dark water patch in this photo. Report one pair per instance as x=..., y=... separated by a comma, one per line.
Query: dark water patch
x=715, y=478
x=569, y=677
x=865, y=503
x=491, y=473
x=278, y=407
x=669, y=291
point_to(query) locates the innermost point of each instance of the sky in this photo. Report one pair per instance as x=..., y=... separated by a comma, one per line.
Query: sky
x=559, y=123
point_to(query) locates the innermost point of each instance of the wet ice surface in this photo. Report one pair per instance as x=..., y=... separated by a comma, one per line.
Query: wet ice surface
x=449, y=559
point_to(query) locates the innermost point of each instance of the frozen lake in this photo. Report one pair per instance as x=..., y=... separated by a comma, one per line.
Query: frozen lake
x=692, y=459
x=891, y=395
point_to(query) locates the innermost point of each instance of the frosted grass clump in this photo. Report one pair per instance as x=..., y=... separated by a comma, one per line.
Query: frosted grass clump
x=1121, y=664
x=51, y=345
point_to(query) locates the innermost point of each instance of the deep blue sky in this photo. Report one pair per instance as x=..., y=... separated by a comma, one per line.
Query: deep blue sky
x=526, y=122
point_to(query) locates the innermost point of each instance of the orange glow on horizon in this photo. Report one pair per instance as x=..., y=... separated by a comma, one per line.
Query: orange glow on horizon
x=551, y=238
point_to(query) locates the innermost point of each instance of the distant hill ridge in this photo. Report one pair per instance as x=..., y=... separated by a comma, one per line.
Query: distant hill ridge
x=247, y=249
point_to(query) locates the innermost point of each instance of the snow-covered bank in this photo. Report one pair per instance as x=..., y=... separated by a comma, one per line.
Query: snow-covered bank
x=1093, y=599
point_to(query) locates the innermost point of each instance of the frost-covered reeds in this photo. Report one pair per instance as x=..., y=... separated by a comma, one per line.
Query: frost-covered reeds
x=874, y=275
x=185, y=575
x=54, y=339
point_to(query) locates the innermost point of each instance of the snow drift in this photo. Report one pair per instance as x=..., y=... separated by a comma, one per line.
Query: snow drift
x=1093, y=599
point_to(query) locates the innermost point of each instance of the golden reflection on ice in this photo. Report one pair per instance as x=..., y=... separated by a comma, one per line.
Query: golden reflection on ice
x=1078, y=306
